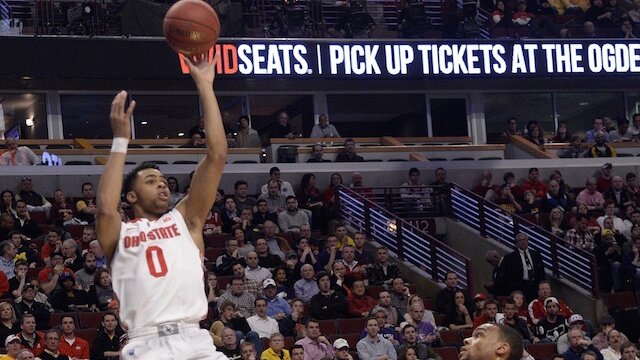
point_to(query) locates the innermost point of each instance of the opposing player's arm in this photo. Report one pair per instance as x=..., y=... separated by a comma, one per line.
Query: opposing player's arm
x=206, y=178
x=107, y=217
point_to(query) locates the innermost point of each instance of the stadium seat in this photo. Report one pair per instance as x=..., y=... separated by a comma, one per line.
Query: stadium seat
x=78, y=162
x=328, y=327
x=87, y=334
x=223, y=281
x=135, y=146
x=439, y=319
x=75, y=231
x=374, y=290
x=212, y=253
x=351, y=326
x=56, y=317
x=622, y=300
x=160, y=147
x=450, y=338
x=39, y=217
x=466, y=333
x=90, y=319
x=447, y=352
x=289, y=341
x=428, y=302
x=542, y=351
x=373, y=160
x=215, y=241
x=59, y=146
x=625, y=155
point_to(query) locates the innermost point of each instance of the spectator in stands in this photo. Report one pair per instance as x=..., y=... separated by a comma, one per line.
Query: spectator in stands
x=498, y=17
x=13, y=346
x=360, y=304
x=578, y=345
x=497, y=286
x=383, y=272
x=247, y=137
x=263, y=214
x=328, y=303
x=35, y=201
x=562, y=132
x=610, y=209
x=84, y=277
x=523, y=18
x=101, y=292
x=106, y=345
x=623, y=133
x=384, y=301
x=631, y=185
x=613, y=352
x=349, y=152
x=251, y=286
x=580, y=236
x=609, y=259
x=281, y=128
x=425, y=330
x=262, y=324
x=7, y=264
x=7, y=203
x=362, y=255
x=400, y=295
x=277, y=245
x=601, y=149
x=284, y=187
x=23, y=251
x=635, y=119
x=96, y=249
x=28, y=305
x=598, y=125
x=512, y=123
x=576, y=321
x=631, y=263
x=276, y=203
x=306, y=287
x=590, y=196
x=7, y=223
x=329, y=254
x=242, y=200
x=629, y=351
x=24, y=223
x=607, y=324
x=230, y=344
x=489, y=311
x=235, y=320
x=339, y=280
x=70, y=253
x=61, y=211
x=265, y=258
x=291, y=219
x=239, y=296
x=316, y=346
x=534, y=184
x=88, y=235
x=605, y=177
x=599, y=15
x=537, y=309
x=414, y=192
x=212, y=290
x=527, y=267
x=86, y=207
x=512, y=320
x=457, y=316
x=555, y=197
x=68, y=298
x=17, y=155
x=52, y=346
x=485, y=184
x=552, y=325
x=72, y=346
x=225, y=262
x=249, y=351
x=626, y=31
x=374, y=346
x=29, y=337
x=48, y=276
x=8, y=321
x=445, y=297
x=557, y=225
x=317, y=153
x=323, y=129
x=253, y=271
x=311, y=200
x=229, y=215
x=576, y=150
x=276, y=349
x=427, y=315
x=198, y=128
x=329, y=195
x=619, y=195
x=341, y=348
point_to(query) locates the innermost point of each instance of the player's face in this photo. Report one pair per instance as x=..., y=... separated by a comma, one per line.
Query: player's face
x=151, y=192
x=482, y=345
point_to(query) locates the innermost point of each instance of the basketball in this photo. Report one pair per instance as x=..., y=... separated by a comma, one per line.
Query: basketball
x=191, y=27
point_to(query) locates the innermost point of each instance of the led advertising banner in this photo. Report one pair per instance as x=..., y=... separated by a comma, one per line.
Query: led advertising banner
x=414, y=60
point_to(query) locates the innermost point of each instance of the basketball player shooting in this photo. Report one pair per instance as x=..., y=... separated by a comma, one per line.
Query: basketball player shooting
x=156, y=258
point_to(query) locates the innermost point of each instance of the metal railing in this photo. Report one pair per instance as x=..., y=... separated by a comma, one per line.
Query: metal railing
x=409, y=202
x=406, y=241
x=562, y=259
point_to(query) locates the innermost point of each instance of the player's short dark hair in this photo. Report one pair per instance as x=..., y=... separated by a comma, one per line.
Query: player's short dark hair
x=514, y=339
x=131, y=177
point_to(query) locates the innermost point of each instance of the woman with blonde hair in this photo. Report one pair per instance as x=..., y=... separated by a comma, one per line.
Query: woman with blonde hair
x=428, y=314
x=8, y=321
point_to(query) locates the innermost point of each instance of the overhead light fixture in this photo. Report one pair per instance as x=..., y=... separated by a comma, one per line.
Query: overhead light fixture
x=29, y=121
x=180, y=134
x=143, y=123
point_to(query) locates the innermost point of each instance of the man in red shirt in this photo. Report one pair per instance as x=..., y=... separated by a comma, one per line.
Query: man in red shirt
x=48, y=276
x=71, y=345
x=537, y=310
x=534, y=184
x=488, y=314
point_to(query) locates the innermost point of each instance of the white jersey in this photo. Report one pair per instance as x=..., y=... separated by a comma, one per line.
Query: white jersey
x=157, y=273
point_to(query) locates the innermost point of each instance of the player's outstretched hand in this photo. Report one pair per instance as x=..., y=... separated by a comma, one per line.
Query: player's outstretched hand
x=121, y=118
x=202, y=71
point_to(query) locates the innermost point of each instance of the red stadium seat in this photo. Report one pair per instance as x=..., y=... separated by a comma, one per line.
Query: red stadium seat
x=450, y=338
x=75, y=231
x=328, y=327
x=428, y=304
x=351, y=326
x=374, y=290
x=542, y=351
x=212, y=253
x=223, y=281
x=90, y=319
x=622, y=300
x=447, y=352
x=439, y=319
x=289, y=341
x=87, y=334
x=39, y=217
x=33, y=272
x=215, y=241
x=466, y=333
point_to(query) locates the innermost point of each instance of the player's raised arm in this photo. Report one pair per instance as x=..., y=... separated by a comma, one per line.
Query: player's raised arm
x=202, y=192
x=110, y=186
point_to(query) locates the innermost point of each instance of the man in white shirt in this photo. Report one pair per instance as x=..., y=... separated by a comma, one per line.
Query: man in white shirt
x=18, y=155
x=255, y=272
x=284, y=188
x=260, y=322
x=323, y=129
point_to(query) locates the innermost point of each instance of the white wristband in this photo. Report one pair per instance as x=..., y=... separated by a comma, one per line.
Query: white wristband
x=119, y=145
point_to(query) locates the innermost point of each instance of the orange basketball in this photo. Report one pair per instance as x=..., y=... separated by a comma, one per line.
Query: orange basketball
x=191, y=27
